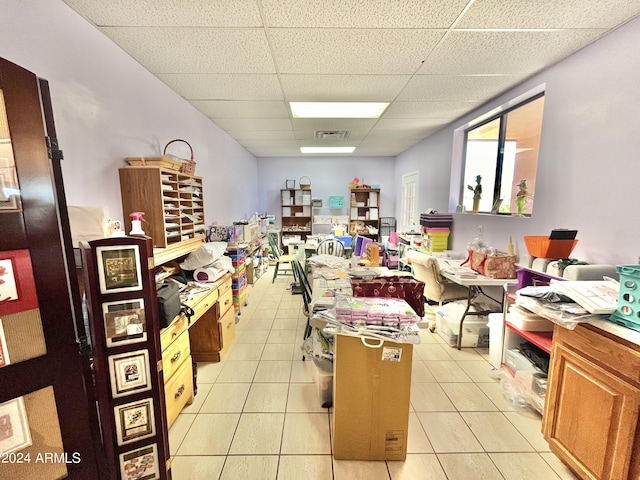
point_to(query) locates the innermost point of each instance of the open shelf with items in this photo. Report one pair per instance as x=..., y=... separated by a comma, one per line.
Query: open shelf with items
x=296, y=212
x=172, y=203
x=513, y=335
x=364, y=211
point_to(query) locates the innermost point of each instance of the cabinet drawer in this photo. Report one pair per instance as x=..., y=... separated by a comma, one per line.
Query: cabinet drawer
x=172, y=332
x=204, y=304
x=225, y=297
x=175, y=355
x=227, y=329
x=178, y=390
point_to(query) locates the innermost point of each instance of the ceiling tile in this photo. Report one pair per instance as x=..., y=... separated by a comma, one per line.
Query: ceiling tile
x=409, y=124
x=431, y=60
x=261, y=143
x=476, y=88
x=331, y=51
x=472, y=52
x=375, y=140
x=275, y=152
x=253, y=123
x=333, y=123
x=224, y=87
x=378, y=151
x=241, y=109
x=548, y=14
x=429, y=109
x=153, y=13
x=262, y=134
x=362, y=13
x=343, y=88
x=354, y=135
x=393, y=136
x=195, y=50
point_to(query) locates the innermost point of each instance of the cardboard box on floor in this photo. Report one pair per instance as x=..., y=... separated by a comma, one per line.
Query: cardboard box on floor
x=371, y=399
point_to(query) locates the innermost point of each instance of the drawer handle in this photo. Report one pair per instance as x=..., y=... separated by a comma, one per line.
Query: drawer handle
x=179, y=392
x=227, y=302
x=174, y=334
x=176, y=357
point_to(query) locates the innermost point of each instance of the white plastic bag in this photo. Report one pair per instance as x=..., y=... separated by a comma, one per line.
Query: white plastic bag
x=204, y=255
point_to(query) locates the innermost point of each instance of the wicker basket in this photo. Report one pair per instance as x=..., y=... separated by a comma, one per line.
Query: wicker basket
x=305, y=183
x=188, y=166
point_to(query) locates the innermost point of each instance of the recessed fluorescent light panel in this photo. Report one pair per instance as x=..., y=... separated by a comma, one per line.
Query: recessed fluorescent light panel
x=337, y=109
x=327, y=149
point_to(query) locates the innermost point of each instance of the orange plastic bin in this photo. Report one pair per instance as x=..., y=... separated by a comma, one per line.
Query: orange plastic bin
x=543, y=247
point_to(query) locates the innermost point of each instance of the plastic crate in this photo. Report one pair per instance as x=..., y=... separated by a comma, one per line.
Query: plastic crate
x=543, y=247
x=346, y=240
x=628, y=311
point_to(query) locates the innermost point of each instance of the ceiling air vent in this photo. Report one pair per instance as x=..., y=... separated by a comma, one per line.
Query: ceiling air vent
x=331, y=135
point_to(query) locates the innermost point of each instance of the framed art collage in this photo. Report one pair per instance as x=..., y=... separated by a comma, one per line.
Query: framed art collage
x=125, y=334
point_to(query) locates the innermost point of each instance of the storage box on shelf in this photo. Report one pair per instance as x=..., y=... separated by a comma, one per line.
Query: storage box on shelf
x=239, y=276
x=435, y=230
x=172, y=203
x=296, y=212
x=365, y=211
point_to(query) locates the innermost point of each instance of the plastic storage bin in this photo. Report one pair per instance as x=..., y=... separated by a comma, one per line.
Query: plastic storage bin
x=324, y=380
x=543, y=247
x=475, y=332
x=628, y=311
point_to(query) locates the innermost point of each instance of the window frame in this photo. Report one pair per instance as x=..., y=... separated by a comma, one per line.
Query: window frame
x=457, y=184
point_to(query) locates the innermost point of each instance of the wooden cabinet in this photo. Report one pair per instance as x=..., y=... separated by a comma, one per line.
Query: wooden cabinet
x=213, y=331
x=171, y=201
x=364, y=211
x=295, y=212
x=177, y=367
x=593, y=403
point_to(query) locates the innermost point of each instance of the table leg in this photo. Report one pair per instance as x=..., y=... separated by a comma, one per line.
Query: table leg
x=470, y=297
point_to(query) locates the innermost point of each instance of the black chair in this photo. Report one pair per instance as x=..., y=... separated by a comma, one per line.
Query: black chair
x=301, y=278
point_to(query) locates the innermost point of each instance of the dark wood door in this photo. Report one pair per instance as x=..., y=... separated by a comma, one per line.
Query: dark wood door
x=46, y=420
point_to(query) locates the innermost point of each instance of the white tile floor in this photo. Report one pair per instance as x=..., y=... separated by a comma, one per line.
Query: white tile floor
x=257, y=414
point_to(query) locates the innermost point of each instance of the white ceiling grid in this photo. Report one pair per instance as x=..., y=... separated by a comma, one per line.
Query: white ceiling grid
x=241, y=61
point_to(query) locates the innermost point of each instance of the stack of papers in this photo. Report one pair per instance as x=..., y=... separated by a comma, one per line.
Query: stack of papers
x=597, y=296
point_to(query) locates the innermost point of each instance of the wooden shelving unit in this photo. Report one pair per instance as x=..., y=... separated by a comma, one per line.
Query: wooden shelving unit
x=172, y=203
x=364, y=211
x=296, y=212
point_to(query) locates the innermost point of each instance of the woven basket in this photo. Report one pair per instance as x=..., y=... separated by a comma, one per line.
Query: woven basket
x=305, y=183
x=188, y=166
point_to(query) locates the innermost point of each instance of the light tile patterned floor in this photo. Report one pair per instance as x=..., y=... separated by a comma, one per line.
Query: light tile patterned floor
x=257, y=414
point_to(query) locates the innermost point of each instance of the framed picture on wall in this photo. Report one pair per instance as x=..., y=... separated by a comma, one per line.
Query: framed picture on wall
x=119, y=268
x=17, y=286
x=140, y=464
x=14, y=427
x=124, y=322
x=134, y=421
x=129, y=373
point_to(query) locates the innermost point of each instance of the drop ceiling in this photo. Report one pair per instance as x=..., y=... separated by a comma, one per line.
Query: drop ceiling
x=240, y=62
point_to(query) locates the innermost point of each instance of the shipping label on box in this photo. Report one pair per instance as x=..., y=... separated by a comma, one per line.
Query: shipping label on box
x=391, y=354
